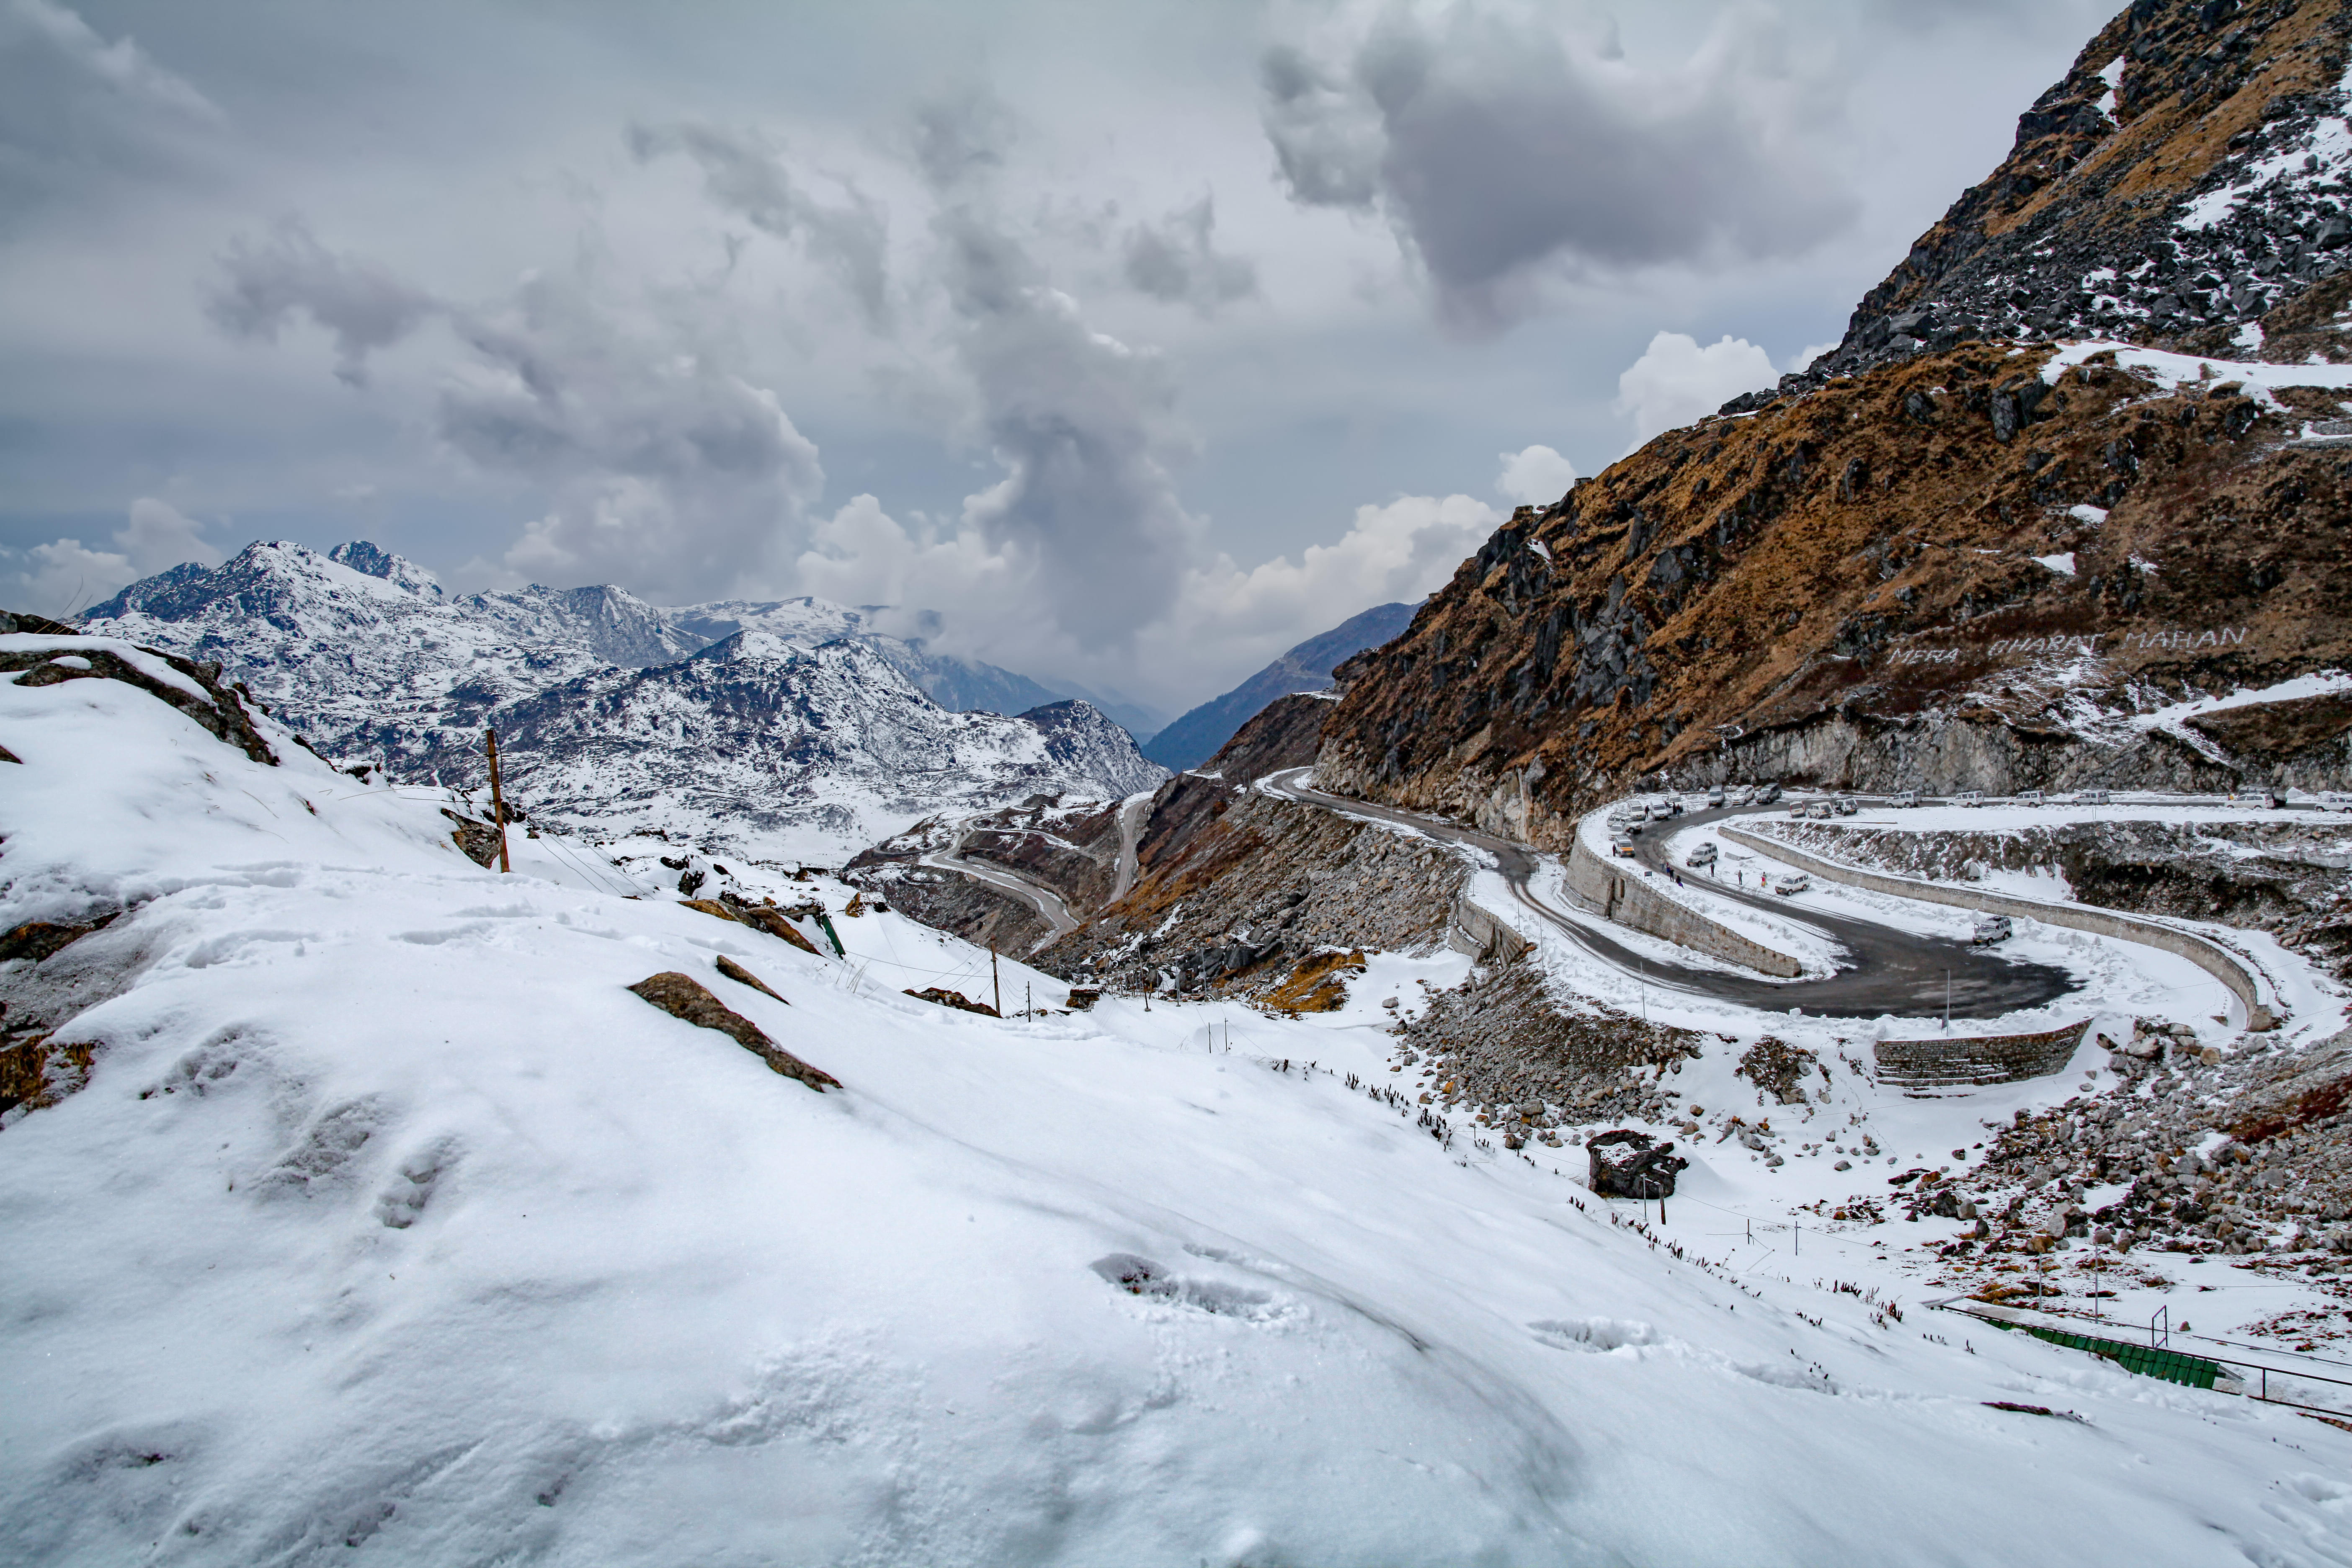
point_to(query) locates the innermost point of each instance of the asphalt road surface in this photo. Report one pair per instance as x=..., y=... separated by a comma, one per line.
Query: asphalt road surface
x=1881, y=970
x=1047, y=902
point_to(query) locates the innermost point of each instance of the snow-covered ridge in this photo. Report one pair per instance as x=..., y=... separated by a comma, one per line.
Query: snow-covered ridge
x=795, y=726
x=362, y=651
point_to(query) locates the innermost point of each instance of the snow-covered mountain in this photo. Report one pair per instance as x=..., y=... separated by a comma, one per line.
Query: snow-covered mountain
x=781, y=750
x=794, y=725
x=363, y=650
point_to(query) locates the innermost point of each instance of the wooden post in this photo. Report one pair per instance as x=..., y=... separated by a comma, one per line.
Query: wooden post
x=498, y=801
x=994, y=982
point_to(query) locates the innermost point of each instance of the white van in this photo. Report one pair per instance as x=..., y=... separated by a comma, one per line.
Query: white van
x=2031, y=797
x=1969, y=797
x=2090, y=797
x=1906, y=797
x=2334, y=800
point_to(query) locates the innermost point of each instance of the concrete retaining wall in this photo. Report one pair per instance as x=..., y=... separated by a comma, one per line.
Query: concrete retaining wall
x=1621, y=893
x=1978, y=1060
x=2214, y=961
x=1477, y=933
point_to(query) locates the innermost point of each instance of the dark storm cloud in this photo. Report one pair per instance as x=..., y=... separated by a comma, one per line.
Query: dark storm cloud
x=77, y=112
x=1084, y=426
x=1496, y=147
x=265, y=284
x=1176, y=260
x=742, y=175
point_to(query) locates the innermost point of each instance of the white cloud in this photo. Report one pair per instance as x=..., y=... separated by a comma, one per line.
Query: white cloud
x=64, y=577
x=1535, y=476
x=1400, y=551
x=1676, y=381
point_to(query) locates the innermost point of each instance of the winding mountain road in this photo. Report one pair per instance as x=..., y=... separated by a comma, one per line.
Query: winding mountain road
x=1883, y=969
x=1048, y=903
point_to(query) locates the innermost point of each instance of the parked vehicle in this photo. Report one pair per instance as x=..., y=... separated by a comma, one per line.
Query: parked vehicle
x=1819, y=810
x=2090, y=797
x=1620, y=845
x=2031, y=797
x=1791, y=882
x=1702, y=856
x=1906, y=797
x=1744, y=796
x=1990, y=929
x=1970, y=797
x=1767, y=793
x=2334, y=800
x=1715, y=796
x=1844, y=805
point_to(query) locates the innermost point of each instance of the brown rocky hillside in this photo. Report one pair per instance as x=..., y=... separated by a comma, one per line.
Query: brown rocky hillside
x=1866, y=586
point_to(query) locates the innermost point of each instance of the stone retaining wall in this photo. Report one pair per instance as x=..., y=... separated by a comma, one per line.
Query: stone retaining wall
x=1621, y=894
x=1978, y=1060
x=1476, y=931
x=2215, y=961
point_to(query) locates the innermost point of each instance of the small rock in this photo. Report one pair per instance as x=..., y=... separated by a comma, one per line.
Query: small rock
x=1842, y=1165
x=686, y=999
x=742, y=976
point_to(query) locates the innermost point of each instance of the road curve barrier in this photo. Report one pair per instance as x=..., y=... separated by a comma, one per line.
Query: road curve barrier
x=2211, y=957
x=1608, y=889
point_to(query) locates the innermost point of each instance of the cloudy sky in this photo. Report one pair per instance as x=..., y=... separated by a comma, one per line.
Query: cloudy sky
x=1125, y=345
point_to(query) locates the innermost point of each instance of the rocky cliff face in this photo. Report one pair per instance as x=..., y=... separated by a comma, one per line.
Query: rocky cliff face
x=1953, y=553
x=2184, y=185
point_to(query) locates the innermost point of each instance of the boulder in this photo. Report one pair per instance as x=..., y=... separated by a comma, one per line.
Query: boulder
x=955, y=999
x=1625, y=1163
x=684, y=998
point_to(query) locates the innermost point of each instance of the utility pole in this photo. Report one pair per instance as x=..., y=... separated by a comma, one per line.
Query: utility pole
x=1948, y=1001
x=498, y=801
x=995, y=983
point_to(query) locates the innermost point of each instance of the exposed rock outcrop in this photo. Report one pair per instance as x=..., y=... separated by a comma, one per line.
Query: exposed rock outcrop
x=688, y=1000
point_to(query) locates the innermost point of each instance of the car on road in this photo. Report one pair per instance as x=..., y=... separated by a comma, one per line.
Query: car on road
x=1744, y=796
x=2090, y=797
x=1990, y=929
x=1767, y=793
x=1621, y=844
x=2334, y=800
x=1702, y=856
x=1791, y=882
x=2031, y=797
x=1715, y=796
x=1819, y=810
x=1844, y=805
x=1969, y=797
x=1906, y=797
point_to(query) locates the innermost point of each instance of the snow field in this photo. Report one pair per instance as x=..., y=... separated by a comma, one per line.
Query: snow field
x=391, y=1226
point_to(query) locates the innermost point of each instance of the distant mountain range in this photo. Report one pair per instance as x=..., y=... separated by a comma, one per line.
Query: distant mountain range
x=1195, y=738
x=792, y=727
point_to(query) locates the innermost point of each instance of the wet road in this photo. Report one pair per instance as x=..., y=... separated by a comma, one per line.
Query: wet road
x=1881, y=970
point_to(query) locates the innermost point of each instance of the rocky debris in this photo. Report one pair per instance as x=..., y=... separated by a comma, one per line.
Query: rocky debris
x=983, y=915
x=742, y=976
x=2291, y=878
x=1315, y=983
x=1854, y=588
x=1779, y=1068
x=1234, y=888
x=37, y=940
x=2239, y=1152
x=955, y=999
x=218, y=709
x=1625, y=1164
x=1529, y=1063
x=2186, y=177
x=686, y=998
